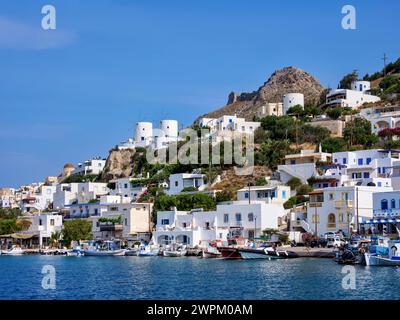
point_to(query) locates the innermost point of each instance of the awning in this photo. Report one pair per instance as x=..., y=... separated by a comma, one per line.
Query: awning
x=22, y=236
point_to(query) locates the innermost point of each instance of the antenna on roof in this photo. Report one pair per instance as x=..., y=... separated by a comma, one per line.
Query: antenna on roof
x=384, y=64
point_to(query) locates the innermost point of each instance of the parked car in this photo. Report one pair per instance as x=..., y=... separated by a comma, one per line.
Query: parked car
x=336, y=242
x=318, y=243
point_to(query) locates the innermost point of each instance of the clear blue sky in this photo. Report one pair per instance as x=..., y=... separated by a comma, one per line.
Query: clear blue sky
x=73, y=93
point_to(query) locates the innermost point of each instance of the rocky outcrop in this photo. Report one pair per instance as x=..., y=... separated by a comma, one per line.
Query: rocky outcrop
x=281, y=82
x=119, y=164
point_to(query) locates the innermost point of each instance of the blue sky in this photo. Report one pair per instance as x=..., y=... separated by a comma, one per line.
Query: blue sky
x=72, y=93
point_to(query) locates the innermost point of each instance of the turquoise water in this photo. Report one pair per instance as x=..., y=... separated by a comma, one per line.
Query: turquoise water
x=191, y=278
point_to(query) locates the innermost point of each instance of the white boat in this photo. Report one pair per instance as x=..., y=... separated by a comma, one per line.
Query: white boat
x=175, y=250
x=132, y=252
x=103, y=249
x=389, y=258
x=14, y=251
x=148, y=251
x=211, y=253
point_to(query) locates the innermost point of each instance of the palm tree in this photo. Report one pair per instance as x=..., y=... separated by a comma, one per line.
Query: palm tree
x=55, y=238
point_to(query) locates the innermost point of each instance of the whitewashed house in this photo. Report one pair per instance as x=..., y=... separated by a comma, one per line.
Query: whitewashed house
x=180, y=181
x=226, y=125
x=278, y=194
x=336, y=209
x=375, y=167
x=242, y=218
x=270, y=109
x=93, y=166
x=302, y=165
x=125, y=188
x=382, y=117
x=43, y=225
x=350, y=98
x=41, y=200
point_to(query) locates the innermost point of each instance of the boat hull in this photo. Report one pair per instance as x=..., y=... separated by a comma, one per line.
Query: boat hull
x=174, y=253
x=230, y=253
x=374, y=260
x=211, y=255
x=113, y=253
x=250, y=254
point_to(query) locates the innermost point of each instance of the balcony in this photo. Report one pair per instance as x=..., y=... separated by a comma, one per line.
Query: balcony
x=111, y=227
x=343, y=204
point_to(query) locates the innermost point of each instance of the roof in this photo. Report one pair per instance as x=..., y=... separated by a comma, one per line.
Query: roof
x=255, y=188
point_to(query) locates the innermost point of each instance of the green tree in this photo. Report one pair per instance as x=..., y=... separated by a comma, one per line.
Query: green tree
x=358, y=132
x=77, y=229
x=345, y=83
x=333, y=145
x=294, y=183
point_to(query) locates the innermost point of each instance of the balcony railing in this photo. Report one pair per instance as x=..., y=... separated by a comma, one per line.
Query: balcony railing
x=111, y=227
x=343, y=203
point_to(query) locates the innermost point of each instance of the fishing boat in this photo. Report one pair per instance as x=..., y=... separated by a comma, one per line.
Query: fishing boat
x=148, y=251
x=103, y=249
x=265, y=253
x=211, y=253
x=14, y=251
x=175, y=250
x=230, y=253
x=132, y=252
x=384, y=256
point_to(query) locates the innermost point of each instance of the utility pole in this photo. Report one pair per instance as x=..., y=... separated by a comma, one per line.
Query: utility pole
x=316, y=221
x=384, y=64
x=249, y=192
x=358, y=225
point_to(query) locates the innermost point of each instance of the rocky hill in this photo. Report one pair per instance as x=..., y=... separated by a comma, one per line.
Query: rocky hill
x=119, y=164
x=281, y=82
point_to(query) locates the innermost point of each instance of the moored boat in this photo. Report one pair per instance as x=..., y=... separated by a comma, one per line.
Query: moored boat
x=175, y=250
x=230, y=253
x=211, y=253
x=14, y=251
x=103, y=249
x=148, y=251
x=388, y=257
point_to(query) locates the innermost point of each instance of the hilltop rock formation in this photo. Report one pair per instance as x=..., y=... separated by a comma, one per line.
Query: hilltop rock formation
x=119, y=164
x=281, y=82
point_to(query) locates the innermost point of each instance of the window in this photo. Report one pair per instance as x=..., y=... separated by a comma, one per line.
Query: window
x=114, y=209
x=176, y=183
x=273, y=194
x=246, y=195
x=393, y=204
x=283, y=194
x=226, y=218
x=379, y=170
x=331, y=196
x=250, y=217
x=142, y=138
x=292, y=161
x=331, y=218
x=52, y=222
x=125, y=185
x=40, y=222
x=184, y=224
x=369, y=160
x=126, y=221
x=344, y=160
x=379, y=184
x=384, y=204
x=164, y=222
x=238, y=217
x=259, y=195
x=360, y=162
x=96, y=212
x=366, y=175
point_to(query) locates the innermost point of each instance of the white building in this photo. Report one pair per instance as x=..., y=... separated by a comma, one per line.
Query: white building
x=291, y=100
x=225, y=125
x=386, y=213
x=302, y=165
x=93, y=166
x=375, y=167
x=336, y=209
x=82, y=192
x=198, y=228
x=351, y=98
x=44, y=225
x=271, y=194
x=41, y=200
x=270, y=109
x=114, y=217
x=125, y=188
x=148, y=136
x=180, y=181
x=382, y=117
